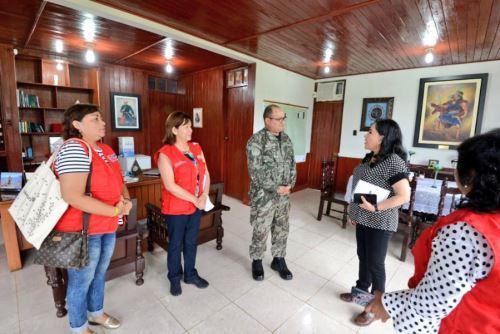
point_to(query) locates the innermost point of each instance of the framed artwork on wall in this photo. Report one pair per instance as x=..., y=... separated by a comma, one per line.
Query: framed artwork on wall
x=374, y=109
x=125, y=112
x=197, y=117
x=237, y=77
x=450, y=110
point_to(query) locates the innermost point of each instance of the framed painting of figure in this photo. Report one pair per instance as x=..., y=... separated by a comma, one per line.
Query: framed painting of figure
x=449, y=110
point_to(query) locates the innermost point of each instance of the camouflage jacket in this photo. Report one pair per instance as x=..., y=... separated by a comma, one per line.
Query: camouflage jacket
x=271, y=163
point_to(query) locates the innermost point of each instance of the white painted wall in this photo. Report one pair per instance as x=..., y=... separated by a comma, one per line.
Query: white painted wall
x=404, y=85
x=273, y=83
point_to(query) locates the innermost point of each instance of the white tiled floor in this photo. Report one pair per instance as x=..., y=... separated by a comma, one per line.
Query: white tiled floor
x=321, y=255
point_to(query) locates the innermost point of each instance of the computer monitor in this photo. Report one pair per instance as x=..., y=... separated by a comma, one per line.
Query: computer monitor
x=11, y=182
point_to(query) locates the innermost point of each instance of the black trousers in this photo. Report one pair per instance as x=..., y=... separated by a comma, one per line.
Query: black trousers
x=372, y=246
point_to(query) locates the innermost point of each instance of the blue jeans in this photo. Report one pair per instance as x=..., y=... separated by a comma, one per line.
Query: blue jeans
x=182, y=237
x=85, y=291
x=372, y=246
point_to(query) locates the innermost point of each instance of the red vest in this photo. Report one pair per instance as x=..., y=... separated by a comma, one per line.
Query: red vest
x=185, y=176
x=106, y=185
x=479, y=310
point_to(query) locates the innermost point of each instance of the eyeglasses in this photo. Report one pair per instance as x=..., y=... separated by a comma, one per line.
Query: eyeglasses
x=281, y=119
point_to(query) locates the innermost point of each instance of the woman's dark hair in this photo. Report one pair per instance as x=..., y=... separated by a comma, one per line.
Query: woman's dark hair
x=174, y=120
x=391, y=143
x=76, y=113
x=478, y=167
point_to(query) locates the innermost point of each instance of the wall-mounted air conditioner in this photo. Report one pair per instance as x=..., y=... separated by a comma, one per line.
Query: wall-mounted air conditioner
x=330, y=91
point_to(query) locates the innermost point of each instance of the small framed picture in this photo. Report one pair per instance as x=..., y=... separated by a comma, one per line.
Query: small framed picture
x=432, y=162
x=125, y=112
x=197, y=117
x=238, y=77
x=230, y=79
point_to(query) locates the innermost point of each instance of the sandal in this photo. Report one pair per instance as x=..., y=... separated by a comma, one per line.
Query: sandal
x=347, y=297
x=364, y=319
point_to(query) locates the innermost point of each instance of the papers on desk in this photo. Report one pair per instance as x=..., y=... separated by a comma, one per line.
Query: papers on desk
x=363, y=187
x=151, y=172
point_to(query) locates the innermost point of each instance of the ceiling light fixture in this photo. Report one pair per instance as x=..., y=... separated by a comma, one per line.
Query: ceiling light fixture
x=88, y=30
x=59, y=46
x=169, y=68
x=169, y=50
x=327, y=55
x=90, y=56
x=429, y=56
x=59, y=66
x=326, y=69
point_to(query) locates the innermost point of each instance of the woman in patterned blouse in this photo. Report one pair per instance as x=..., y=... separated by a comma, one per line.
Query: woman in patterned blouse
x=455, y=285
x=385, y=167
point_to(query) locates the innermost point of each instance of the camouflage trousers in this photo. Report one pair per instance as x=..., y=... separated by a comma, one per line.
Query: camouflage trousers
x=270, y=216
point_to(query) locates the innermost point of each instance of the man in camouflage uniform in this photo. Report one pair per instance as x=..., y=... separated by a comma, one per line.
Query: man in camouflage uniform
x=271, y=165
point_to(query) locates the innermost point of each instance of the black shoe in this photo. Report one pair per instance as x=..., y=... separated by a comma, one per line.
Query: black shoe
x=279, y=265
x=257, y=270
x=175, y=288
x=200, y=283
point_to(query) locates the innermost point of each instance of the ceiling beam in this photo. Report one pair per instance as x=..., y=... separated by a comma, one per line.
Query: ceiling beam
x=333, y=13
x=141, y=50
x=35, y=23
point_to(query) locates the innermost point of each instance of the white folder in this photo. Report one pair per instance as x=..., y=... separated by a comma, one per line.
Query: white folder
x=363, y=187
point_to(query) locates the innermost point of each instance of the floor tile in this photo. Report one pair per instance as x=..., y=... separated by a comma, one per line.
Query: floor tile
x=269, y=305
x=310, y=321
x=231, y=319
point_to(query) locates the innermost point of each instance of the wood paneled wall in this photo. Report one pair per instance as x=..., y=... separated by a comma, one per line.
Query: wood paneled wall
x=344, y=171
x=125, y=80
x=205, y=90
x=10, y=119
x=161, y=104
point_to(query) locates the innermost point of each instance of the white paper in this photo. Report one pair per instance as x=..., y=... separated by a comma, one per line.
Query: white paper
x=208, y=205
x=363, y=187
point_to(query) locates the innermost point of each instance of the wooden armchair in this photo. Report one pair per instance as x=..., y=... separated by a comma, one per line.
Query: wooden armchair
x=127, y=257
x=210, y=225
x=328, y=195
x=407, y=220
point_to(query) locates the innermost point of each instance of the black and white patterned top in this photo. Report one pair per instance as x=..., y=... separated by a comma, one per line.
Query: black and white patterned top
x=460, y=257
x=383, y=174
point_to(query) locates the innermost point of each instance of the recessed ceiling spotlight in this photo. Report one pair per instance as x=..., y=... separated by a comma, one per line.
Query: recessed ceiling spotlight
x=59, y=66
x=59, y=46
x=88, y=29
x=169, y=68
x=429, y=56
x=326, y=69
x=90, y=56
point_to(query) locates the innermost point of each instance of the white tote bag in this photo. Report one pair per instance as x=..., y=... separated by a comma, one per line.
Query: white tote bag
x=39, y=205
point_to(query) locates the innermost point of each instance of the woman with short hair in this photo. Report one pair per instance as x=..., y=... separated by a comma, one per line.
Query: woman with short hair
x=185, y=185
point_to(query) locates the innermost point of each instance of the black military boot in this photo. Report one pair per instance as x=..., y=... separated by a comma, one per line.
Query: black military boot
x=257, y=270
x=279, y=265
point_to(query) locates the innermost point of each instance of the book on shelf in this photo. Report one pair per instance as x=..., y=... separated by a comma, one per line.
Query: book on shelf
x=30, y=127
x=25, y=100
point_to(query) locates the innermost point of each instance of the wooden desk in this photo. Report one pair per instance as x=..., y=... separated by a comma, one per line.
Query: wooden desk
x=146, y=190
x=10, y=237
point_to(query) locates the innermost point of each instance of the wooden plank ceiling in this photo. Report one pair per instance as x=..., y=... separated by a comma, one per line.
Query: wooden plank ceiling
x=33, y=26
x=366, y=36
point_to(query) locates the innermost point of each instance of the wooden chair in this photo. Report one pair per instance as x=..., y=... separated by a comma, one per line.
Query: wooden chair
x=328, y=195
x=210, y=225
x=407, y=220
x=57, y=278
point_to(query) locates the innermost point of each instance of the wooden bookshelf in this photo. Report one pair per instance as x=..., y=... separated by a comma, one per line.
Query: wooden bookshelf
x=44, y=92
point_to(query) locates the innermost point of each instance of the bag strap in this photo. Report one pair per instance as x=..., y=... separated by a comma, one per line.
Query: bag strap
x=86, y=215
